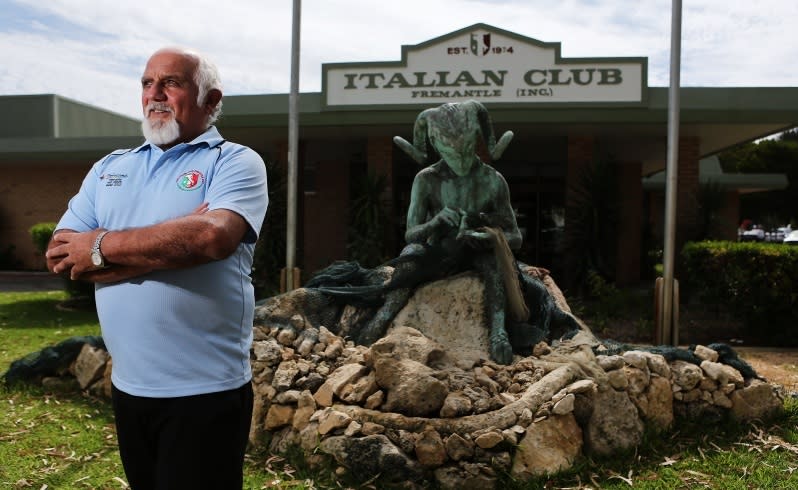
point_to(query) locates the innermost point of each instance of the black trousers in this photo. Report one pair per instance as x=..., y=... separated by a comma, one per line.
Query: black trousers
x=191, y=442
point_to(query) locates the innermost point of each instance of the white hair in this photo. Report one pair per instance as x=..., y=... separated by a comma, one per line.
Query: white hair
x=206, y=76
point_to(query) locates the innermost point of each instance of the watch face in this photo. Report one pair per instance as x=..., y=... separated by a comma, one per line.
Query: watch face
x=96, y=259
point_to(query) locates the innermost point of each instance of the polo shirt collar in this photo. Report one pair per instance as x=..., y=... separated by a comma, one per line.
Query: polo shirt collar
x=210, y=137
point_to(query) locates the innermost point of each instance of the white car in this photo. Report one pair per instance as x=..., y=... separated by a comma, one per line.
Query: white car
x=755, y=234
x=792, y=238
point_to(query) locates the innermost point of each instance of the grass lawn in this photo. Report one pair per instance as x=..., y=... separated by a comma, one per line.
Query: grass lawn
x=66, y=441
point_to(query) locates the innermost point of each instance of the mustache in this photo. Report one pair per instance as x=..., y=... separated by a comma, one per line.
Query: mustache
x=157, y=106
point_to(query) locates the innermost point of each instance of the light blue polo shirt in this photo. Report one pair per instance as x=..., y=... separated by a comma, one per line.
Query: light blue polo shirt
x=186, y=331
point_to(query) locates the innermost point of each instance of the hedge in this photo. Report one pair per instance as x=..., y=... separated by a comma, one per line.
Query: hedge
x=757, y=282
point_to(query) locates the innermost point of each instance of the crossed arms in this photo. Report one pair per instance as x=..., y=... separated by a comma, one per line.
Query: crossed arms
x=200, y=237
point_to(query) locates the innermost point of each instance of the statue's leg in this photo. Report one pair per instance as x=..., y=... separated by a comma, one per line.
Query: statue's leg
x=500, y=349
x=375, y=328
x=407, y=274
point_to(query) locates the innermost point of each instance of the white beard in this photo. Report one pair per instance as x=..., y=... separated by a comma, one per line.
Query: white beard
x=160, y=133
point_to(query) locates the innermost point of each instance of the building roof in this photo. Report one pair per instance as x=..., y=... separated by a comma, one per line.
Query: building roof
x=53, y=127
x=711, y=173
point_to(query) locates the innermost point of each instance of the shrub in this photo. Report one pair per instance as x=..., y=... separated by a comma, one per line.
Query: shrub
x=270, y=248
x=41, y=233
x=755, y=281
x=80, y=292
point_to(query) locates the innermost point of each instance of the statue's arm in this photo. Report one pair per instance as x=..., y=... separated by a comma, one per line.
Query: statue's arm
x=419, y=227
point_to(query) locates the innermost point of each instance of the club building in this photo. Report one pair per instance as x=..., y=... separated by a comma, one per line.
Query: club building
x=566, y=113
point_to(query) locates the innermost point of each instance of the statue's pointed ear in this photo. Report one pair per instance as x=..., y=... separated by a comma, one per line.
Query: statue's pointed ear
x=413, y=152
x=418, y=150
x=501, y=145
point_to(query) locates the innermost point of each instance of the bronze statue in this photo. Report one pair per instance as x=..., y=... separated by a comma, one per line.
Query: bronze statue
x=459, y=217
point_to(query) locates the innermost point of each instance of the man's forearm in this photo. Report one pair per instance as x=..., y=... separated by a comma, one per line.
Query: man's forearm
x=116, y=273
x=178, y=243
x=198, y=238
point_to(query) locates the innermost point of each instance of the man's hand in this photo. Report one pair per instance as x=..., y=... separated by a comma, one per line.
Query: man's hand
x=70, y=252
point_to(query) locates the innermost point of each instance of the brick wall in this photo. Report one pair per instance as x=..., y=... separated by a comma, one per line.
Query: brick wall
x=30, y=193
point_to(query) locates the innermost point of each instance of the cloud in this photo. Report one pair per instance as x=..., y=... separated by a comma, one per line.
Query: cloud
x=94, y=50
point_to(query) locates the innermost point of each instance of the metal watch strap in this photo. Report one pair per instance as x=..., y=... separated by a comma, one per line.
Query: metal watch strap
x=97, y=241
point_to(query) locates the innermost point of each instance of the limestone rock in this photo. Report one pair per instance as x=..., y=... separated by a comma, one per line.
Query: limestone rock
x=285, y=375
x=451, y=312
x=757, y=401
x=686, y=375
x=279, y=416
x=705, y=353
x=409, y=343
x=656, y=404
x=614, y=424
x=456, y=404
x=89, y=365
x=430, y=450
x=458, y=448
x=566, y=405
x=722, y=373
x=372, y=456
x=638, y=379
x=463, y=478
x=337, y=381
x=657, y=364
x=411, y=386
x=330, y=420
x=489, y=439
x=548, y=447
x=610, y=363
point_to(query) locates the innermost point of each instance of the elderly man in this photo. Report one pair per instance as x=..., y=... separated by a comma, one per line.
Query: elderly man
x=167, y=232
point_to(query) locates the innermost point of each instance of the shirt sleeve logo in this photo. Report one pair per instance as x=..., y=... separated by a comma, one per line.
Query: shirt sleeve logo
x=190, y=180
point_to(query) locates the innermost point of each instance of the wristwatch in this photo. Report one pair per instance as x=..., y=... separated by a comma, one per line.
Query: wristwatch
x=97, y=258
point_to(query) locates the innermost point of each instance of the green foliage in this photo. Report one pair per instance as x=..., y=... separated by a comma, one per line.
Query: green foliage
x=769, y=156
x=603, y=305
x=711, y=198
x=368, y=221
x=591, y=240
x=31, y=321
x=41, y=233
x=758, y=282
x=269, y=257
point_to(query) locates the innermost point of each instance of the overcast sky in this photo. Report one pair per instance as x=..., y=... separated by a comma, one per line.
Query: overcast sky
x=94, y=50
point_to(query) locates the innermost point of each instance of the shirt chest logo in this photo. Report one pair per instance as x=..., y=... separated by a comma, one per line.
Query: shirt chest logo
x=113, y=180
x=190, y=180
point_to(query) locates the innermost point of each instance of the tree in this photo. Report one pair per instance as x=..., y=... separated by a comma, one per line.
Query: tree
x=768, y=156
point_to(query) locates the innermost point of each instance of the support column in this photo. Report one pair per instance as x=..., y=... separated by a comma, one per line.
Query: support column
x=630, y=209
x=687, y=193
x=580, y=156
x=379, y=160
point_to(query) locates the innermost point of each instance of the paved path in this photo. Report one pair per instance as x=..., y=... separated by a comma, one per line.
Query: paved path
x=29, y=281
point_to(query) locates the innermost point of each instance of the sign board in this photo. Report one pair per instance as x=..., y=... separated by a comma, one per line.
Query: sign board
x=487, y=64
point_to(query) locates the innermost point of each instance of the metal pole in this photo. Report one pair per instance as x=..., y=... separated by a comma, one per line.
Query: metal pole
x=670, y=332
x=293, y=139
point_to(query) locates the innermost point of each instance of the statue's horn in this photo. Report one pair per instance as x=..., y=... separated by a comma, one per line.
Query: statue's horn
x=418, y=150
x=486, y=125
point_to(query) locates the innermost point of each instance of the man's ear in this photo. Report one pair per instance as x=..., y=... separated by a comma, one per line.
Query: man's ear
x=213, y=98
